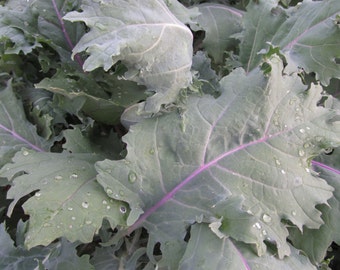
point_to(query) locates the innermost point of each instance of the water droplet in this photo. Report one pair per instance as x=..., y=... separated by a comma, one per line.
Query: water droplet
x=25, y=153
x=298, y=181
x=47, y=225
x=88, y=193
x=74, y=175
x=85, y=204
x=264, y=232
x=306, y=145
x=38, y=194
x=109, y=191
x=104, y=202
x=301, y=153
x=283, y=171
x=58, y=177
x=266, y=218
x=73, y=218
x=132, y=177
x=108, y=207
x=121, y=193
x=70, y=208
x=122, y=209
x=277, y=162
x=301, y=130
x=88, y=222
x=257, y=225
x=307, y=170
x=70, y=226
x=293, y=213
x=151, y=151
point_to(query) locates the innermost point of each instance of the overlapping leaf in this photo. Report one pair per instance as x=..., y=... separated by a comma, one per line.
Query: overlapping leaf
x=219, y=22
x=253, y=142
x=56, y=256
x=225, y=254
x=29, y=24
x=308, y=35
x=153, y=44
x=67, y=202
x=104, y=96
x=15, y=131
x=315, y=243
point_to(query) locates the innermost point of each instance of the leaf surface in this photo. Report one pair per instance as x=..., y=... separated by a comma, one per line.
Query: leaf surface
x=219, y=22
x=217, y=254
x=61, y=255
x=67, y=202
x=315, y=243
x=253, y=142
x=149, y=40
x=307, y=34
x=15, y=131
x=105, y=97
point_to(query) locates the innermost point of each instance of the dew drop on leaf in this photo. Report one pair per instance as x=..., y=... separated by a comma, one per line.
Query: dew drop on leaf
x=70, y=208
x=301, y=153
x=301, y=130
x=298, y=181
x=88, y=222
x=122, y=209
x=74, y=176
x=293, y=213
x=151, y=151
x=132, y=177
x=121, y=193
x=264, y=232
x=73, y=218
x=85, y=204
x=25, y=153
x=277, y=161
x=109, y=191
x=38, y=194
x=58, y=177
x=283, y=171
x=108, y=207
x=257, y=225
x=104, y=202
x=266, y=218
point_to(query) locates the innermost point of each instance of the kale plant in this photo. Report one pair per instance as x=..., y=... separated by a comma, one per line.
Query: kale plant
x=164, y=134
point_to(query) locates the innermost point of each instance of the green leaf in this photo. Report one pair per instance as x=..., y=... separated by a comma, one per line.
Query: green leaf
x=253, y=142
x=68, y=201
x=315, y=243
x=31, y=24
x=104, y=96
x=148, y=39
x=15, y=131
x=60, y=255
x=307, y=34
x=219, y=22
x=217, y=254
x=296, y=260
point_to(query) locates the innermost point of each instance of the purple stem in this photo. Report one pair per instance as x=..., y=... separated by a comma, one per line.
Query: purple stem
x=244, y=261
x=324, y=166
x=19, y=138
x=67, y=37
x=202, y=168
